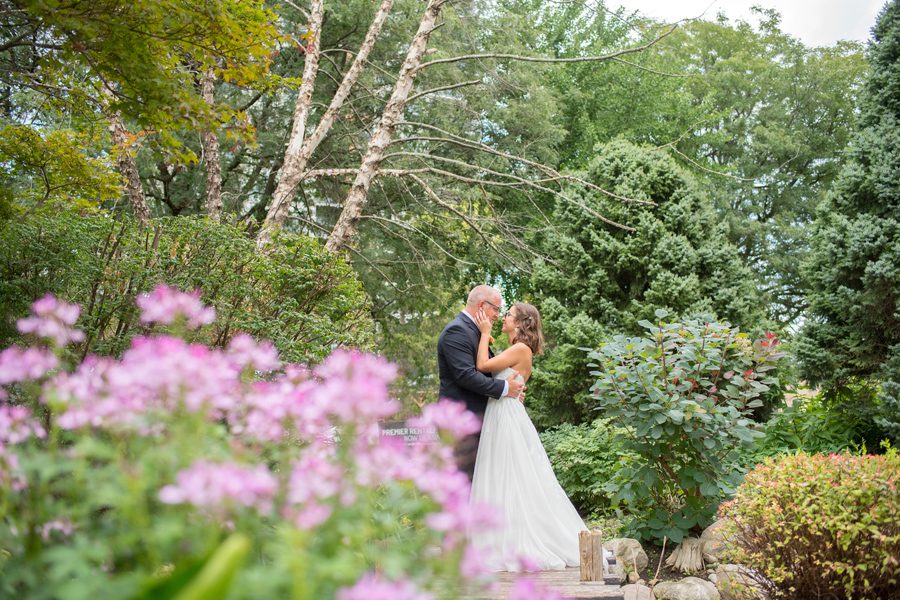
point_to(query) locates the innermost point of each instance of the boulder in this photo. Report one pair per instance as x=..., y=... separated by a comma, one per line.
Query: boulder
x=713, y=541
x=636, y=591
x=737, y=582
x=689, y=588
x=629, y=554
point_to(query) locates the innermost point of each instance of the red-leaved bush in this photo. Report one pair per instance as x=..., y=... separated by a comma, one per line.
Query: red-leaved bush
x=817, y=526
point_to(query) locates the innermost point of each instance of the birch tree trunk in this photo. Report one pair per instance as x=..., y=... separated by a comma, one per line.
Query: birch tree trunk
x=345, y=229
x=211, y=153
x=125, y=161
x=292, y=170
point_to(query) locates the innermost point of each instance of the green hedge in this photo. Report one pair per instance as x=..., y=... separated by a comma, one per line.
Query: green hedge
x=302, y=297
x=820, y=526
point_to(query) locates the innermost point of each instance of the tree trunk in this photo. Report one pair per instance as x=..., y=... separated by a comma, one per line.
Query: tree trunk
x=291, y=172
x=125, y=161
x=356, y=199
x=211, y=153
x=290, y=180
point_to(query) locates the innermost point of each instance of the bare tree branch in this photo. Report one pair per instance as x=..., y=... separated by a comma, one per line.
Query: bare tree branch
x=547, y=59
x=444, y=88
x=461, y=141
x=520, y=180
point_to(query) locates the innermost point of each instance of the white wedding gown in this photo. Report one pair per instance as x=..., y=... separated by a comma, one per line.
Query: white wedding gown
x=513, y=473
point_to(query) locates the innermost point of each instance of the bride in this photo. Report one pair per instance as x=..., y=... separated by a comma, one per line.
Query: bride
x=512, y=471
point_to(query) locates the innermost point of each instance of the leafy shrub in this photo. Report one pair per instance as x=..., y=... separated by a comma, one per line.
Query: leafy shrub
x=682, y=395
x=303, y=298
x=585, y=458
x=174, y=473
x=820, y=526
x=808, y=425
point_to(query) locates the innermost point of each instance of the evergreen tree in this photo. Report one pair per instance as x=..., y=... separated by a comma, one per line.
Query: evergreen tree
x=604, y=278
x=852, y=334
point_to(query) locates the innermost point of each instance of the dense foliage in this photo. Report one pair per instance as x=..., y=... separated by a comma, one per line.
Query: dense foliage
x=175, y=472
x=585, y=457
x=817, y=525
x=682, y=393
x=304, y=299
x=603, y=279
x=853, y=329
x=807, y=425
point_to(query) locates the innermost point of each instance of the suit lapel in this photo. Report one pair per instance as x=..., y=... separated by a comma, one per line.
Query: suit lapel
x=474, y=328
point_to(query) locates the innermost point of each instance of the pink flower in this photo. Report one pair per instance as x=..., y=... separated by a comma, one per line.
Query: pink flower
x=373, y=587
x=212, y=485
x=463, y=516
x=449, y=416
x=17, y=425
x=247, y=352
x=314, y=476
x=158, y=374
x=29, y=364
x=166, y=304
x=526, y=588
x=473, y=564
x=52, y=319
x=64, y=527
x=352, y=363
x=354, y=387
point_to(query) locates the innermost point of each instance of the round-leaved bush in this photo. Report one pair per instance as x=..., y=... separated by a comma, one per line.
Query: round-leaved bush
x=682, y=395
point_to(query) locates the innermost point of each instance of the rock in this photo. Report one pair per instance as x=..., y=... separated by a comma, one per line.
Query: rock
x=634, y=591
x=713, y=541
x=689, y=588
x=737, y=582
x=687, y=557
x=629, y=554
x=633, y=577
x=713, y=577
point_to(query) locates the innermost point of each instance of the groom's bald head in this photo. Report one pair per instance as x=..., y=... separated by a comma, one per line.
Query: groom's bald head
x=483, y=293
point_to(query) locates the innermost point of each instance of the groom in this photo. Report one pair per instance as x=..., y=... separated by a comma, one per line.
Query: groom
x=460, y=380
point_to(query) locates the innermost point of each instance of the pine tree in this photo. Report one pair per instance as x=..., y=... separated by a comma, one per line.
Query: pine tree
x=852, y=335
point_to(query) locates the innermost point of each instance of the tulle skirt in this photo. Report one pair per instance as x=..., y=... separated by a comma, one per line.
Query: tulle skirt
x=513, y=473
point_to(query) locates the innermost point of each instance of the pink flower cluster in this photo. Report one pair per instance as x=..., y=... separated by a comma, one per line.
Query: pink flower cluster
x=18, y=425
x=28, y=364
x=157, y=375
x=164, y=305
x=212, y=486
x=448, y=416
x=327, y=417
x=52, y=319
x=373, y=587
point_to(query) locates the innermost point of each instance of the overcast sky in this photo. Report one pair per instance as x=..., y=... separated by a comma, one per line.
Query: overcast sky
x=815, y=22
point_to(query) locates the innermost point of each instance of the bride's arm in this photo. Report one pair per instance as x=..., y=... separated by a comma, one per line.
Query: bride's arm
x=509, y=357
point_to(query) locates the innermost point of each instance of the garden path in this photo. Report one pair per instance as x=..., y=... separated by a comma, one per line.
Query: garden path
x=568, y=583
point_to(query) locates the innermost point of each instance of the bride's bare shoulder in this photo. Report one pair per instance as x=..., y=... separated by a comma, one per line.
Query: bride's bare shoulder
x=522, y=347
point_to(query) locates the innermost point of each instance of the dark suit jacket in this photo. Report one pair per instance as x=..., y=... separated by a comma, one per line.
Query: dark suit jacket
x=460, y=380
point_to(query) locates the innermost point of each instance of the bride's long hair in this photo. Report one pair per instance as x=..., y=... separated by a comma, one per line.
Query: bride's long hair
x=528, y=327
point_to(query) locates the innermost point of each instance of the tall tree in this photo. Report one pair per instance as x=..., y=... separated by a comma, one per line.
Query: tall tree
x=759, y=117
x=852, y=331
x=604, y=279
